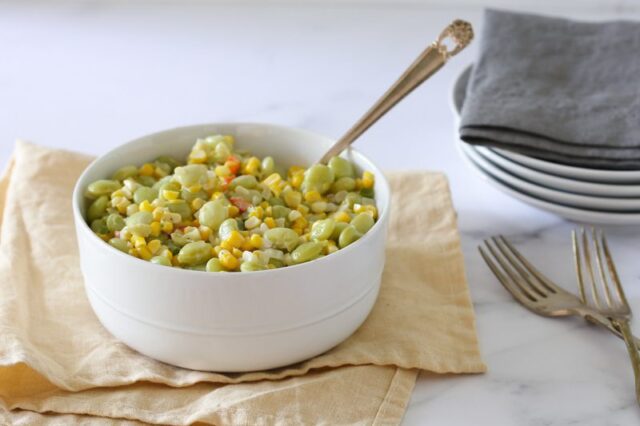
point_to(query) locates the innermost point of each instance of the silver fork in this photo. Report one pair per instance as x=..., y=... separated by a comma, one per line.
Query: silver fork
x=609, y=299
x=533, y=290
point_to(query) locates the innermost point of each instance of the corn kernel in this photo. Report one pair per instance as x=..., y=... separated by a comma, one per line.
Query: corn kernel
x=167, y=226
x=197, y=203
x=272, y=180
x=133, y=252
x=237, y=252
x=158, y=213
x=205, y=232
x=296, y=181
x=222, y=171
x=252, y=222
x=216, y=195
x=131, y=209
x=295, y=170
x=145, y=206
x=247, y=246
x=146, y=169
x=144, y=253
x=169, y=194
x=166, y=253
x=233, y=211
x=154, y=246
x=235, y=239
x=370, y=210
x=358, y=183
x=303, y=209
x=228, y=260
x=292, y=198
x=252, y=167
x=312, y=196
x=270, y=222
x=155, y=228
x=159, y=173
x=198, y=156
x=217, y=250
x=256, y=212
x=342, y=217
x=256, y=241
x=367, y=180
x=138, y=241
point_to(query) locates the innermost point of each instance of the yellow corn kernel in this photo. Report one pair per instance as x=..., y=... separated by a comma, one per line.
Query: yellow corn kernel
x=233, y=211
x=155, y=228
x=298, y=230
x=145, y=206
x=247, y=246
x=237, y=252
x=157, y=213
x=270, y=222
x=295, y=170
x=370, y=210
x=272, y=179
x=205, y=232
x=154, y=246
x=292, y=198
x=367, y=180
x=268, y=211
x=296, y=180
x=133, y=252
x=257, y=212
x=342, y=217
x=197, y=203
x=235, y=239
x=256, y=241
x=300, y=222
x=303, y=209
x=169, y=194
x=217, y=250
x=312, y=196
x=228, y=260
x=216, y=195
x=159, y=173
x=146, y=169
x=331, y=247
x=167, y=226
x=222, y=171
x=117, y=193
x=198, y=156
x=166, y=253
x=194, y=188
x=253, y=166
x=358, y=183
x=144, y=253
x=174, y=261
x=138, y=241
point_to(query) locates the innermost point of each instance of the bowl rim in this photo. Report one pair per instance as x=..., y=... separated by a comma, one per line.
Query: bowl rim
x=82, y=226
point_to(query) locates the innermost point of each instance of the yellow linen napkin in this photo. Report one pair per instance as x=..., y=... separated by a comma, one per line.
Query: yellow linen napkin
x=55, y=357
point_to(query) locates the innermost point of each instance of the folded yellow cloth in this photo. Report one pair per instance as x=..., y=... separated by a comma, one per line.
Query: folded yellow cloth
x=59, y=365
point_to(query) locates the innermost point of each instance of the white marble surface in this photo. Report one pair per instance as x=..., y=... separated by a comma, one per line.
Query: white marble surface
x=89, y=76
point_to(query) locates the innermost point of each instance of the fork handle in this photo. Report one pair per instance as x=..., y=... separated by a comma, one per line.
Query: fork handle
x=634, y=355
x=606, y=323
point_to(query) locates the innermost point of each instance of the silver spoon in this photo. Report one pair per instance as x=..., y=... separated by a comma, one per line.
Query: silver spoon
x=430, y=60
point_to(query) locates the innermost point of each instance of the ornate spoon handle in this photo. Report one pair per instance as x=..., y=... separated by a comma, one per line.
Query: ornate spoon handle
x=430, y=60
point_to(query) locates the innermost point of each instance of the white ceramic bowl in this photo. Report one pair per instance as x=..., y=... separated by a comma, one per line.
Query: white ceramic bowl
x=231, y=321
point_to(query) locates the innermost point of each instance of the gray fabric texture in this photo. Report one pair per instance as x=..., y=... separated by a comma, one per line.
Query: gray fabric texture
x=557, y=89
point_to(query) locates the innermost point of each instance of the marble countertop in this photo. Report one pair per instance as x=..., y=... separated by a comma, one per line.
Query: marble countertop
x=89, y=76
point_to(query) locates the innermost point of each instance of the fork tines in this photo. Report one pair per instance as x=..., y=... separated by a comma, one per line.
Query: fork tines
x=514, y=272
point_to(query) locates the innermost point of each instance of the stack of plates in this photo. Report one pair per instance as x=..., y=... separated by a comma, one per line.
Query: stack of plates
x=581, y=194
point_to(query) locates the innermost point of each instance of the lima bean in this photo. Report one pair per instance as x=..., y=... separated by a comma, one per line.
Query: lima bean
x=348, y=235
x=212, y=214
x=144, y=194
x=103, y=187
x=341, y=167
x=317, y=178
x=124, y=173
x=214, y=265
x=362, y=222
x=195, y=253
x=120, y=244
x=306, y=252
x=98, y=208
x=161, y=260
x=282, y=238
x=115, y=222
x=322, y=229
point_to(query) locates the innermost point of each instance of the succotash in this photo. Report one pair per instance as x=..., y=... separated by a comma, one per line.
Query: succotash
x=226, y=210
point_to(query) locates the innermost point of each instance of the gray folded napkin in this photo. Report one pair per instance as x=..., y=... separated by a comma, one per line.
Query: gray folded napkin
x=556, y=89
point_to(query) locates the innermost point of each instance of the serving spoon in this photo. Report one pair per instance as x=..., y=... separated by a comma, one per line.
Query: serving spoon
x=459, y=33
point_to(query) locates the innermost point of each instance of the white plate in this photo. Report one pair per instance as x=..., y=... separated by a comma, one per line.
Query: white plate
x=549, y=194
x=610, y=191
x=578, y=173
x=571, y=213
